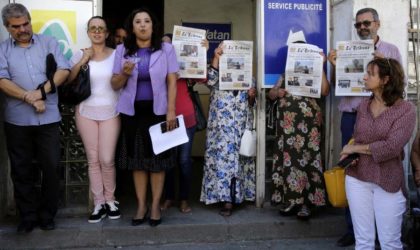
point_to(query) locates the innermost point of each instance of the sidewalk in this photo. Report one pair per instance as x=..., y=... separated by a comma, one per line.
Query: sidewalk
x=203, y=225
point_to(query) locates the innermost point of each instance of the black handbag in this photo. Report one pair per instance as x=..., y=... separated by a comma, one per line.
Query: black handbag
x=75, y=92
x=410, y=229
x=199, y=114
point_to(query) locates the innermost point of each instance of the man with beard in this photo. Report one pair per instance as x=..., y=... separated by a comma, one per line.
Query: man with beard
x=367, y=25
x=31, y=116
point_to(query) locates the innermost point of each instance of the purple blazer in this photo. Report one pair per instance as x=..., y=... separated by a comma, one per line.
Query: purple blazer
x=162, y=62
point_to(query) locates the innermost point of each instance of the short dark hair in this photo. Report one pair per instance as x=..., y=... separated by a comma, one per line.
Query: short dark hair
x=369, y=10
x=391, y=68
x=130, y=42
x=14, y=10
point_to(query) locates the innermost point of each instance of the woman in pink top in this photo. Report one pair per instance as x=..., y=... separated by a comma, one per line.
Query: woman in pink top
x=375, y=184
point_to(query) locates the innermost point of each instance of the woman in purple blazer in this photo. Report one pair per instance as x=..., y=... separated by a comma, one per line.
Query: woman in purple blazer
x=145, y=72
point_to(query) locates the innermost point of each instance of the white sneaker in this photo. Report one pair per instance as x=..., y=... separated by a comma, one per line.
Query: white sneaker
x=112, y=210
x=98, y=214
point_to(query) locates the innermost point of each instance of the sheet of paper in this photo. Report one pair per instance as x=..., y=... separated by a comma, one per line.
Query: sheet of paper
x=164, y=141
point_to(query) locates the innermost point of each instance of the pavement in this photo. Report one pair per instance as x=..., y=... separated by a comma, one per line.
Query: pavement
x=248, y=228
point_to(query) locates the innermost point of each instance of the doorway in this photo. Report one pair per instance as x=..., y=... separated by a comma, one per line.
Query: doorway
x=116, y=12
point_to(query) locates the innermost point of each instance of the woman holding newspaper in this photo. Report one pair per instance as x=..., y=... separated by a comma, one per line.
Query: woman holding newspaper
x=145, y=72
x=228, y=178
x=297, y=166
x=375, y=183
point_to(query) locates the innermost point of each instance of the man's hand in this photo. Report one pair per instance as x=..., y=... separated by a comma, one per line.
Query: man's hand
x=377, y=54
x=39, y=106
x=32, y=96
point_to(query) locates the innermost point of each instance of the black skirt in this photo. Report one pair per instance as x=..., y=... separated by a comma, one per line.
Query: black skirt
x=134, y=150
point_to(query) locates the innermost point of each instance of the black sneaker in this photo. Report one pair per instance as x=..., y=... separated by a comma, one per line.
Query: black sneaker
x=112, y=210
x=98, y=214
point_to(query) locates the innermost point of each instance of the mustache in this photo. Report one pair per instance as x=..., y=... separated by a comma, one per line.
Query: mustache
x=23, y=33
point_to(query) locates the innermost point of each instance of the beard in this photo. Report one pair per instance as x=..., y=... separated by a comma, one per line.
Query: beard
x=365, y=34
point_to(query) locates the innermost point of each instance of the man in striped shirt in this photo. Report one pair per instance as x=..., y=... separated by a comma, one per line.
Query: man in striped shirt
x=367, y=26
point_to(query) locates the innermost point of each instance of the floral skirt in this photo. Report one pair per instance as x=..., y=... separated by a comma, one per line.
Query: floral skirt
x=297, y=165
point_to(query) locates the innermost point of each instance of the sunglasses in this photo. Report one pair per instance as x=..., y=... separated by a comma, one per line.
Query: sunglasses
x=97, y=29
x=365, y=23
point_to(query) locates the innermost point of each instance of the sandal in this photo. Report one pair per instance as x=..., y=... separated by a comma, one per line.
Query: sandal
x=227, y=209
x=287, y=207
x=166, y=205
x=304, y=213
x=184, y=207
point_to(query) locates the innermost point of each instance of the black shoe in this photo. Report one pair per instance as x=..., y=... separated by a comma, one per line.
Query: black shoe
x=47, y=225
x=346, y=240
x=112, y=210
x=98, y=214
x=26, y=227
x=154, y=223
x=137, y=222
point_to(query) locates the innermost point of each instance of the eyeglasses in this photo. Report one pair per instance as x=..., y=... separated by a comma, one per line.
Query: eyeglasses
x=18, y=26
x=97, y=29
x=365, y=23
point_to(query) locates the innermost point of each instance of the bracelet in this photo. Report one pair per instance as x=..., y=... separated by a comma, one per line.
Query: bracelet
x=42, y=89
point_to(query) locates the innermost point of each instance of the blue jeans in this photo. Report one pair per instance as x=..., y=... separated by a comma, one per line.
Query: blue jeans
x=185, y=173
x=348, y=120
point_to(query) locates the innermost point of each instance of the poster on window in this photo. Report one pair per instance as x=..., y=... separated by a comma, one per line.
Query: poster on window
x=65, y=20
x=283, y=19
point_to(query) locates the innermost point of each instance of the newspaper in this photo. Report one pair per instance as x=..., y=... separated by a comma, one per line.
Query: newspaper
x=352, y=59
x=235, y=65
x=191, y=55
x=303, y=73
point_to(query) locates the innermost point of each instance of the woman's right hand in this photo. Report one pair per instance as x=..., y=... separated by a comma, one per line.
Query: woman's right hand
x=276, y=92
x=87, y=55
x=127, y=68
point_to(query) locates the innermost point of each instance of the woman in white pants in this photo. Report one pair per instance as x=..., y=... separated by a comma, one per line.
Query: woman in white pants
x=375, y=182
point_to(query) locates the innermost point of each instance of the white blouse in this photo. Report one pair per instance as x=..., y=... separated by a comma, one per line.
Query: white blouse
x=101, y=104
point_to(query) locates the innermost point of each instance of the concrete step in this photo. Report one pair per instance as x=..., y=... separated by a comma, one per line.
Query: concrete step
x=202, y=225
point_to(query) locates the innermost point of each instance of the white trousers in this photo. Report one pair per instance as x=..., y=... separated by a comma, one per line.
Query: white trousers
x=369, y=203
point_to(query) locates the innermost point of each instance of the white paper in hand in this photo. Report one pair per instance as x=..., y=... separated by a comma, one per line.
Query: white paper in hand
x=164, y=141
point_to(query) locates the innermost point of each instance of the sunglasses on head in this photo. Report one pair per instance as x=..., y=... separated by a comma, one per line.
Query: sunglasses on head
x=365, y=23
x=97, y=29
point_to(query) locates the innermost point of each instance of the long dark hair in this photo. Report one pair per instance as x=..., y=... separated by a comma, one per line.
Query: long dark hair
x=130, y=42
x=394, y=88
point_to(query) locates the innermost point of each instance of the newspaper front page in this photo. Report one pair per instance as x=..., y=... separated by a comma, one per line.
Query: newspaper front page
x=303, y=73
x=235, y=65
x=191, y=55
x=352, y=59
